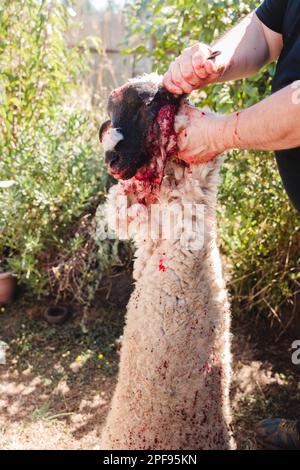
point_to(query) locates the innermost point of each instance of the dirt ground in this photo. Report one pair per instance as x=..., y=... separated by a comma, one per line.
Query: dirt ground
x=57, y=383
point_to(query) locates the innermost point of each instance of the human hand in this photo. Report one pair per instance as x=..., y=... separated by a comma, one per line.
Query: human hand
x=193, y=69
x=203, y=136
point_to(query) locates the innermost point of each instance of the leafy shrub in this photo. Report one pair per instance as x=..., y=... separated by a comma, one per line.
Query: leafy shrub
x=48, y=145
x=260, y=230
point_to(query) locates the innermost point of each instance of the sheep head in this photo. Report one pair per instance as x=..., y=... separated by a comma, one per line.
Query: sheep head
x=140, y=134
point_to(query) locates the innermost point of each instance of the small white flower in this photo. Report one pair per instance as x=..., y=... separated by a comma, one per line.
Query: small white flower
x=7, y=184
x=72, y=12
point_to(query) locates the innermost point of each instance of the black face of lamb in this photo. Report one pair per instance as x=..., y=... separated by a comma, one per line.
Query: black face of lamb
x=133, y=110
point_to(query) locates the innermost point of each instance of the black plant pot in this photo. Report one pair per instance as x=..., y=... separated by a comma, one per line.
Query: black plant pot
x=56, y=315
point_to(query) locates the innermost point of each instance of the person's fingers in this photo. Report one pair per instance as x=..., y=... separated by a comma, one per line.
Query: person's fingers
x=207, y=157
x=191, y=70
x=187, y=70
x=204, y=51
x=197, y=158
x=195, y=152
x=167, y=79
x=169, y=85
x=214, y=76
x=201, y=54
x=185, y=86
x=199, y=66
x=194, y=48
x=205, y=68
x=186, y=109
x=209, y=67
x=178, y=79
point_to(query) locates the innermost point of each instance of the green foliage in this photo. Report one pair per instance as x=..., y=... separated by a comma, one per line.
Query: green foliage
x=48, y=146
x=260, y=230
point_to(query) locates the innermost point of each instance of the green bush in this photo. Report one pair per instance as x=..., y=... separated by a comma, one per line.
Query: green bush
x=48, y=145
x=260, y=230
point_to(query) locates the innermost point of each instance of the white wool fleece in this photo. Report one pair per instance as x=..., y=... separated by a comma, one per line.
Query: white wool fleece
x=175, y=366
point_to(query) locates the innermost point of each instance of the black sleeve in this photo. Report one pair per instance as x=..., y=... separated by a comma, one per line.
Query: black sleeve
x=271, y=13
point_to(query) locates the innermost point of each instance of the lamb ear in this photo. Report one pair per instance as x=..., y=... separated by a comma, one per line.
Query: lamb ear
x=163, y=93
x=104, y=128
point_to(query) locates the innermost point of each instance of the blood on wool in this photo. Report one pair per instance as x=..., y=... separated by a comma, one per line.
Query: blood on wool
x=161, y=265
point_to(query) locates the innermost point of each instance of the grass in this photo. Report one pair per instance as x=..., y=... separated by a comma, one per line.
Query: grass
x=57, y=380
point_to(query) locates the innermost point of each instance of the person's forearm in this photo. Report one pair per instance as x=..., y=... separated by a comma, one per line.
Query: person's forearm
x=272, y=124
x=245, y=49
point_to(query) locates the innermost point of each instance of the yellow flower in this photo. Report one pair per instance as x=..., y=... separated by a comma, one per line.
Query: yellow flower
x=100, y=356
x=78, y=359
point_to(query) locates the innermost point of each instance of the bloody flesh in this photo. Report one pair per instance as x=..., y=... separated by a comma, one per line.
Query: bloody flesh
x=161, y=145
